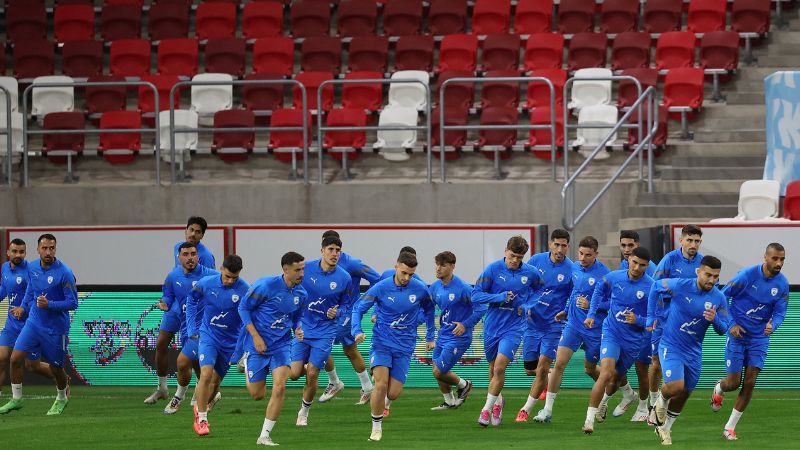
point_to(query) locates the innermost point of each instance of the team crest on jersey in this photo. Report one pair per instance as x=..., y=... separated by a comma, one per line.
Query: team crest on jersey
x=194, y=283
x=451, y=297
x=773, y=291
x=524, y=280
x=707, y=305
x=560, y=277
x=234, y=298
x=49, y=280
x=19, y=280
x=412, y=298
x=202, y=357
x=333, y=285
x=639, y=294
x=591, y=281
x=297, y=300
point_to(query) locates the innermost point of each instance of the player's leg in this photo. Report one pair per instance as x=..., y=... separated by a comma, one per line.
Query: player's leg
x=734, y=364
x=276, y=399
x=184, y=376
x=28, y=341
x=300, y=352
x=745, y=394
x=357, y=361
x=202, y=390
x=506, y=350
x=445, y=357
x=39, y=367
x=256, y=368
x=5, y=358
x=680, y=380
x=654, y=374
x=162, y=363
x=547, y=347
x=318, y=352
x=54, y=351
x=607, y=374
x=642, y=365
x=380, y=373
x=563, y=355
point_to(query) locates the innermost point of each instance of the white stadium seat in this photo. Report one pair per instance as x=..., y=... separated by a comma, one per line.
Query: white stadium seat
x=589, y=138
x=183, y=141
x=590, y=92
x=11, y=84
x=46, y=100
x=411, y=95
x=207, y=100
x=758, y=201
x=393, y=143
x=16, y=135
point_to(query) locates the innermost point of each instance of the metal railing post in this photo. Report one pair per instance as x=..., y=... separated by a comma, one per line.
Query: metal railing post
x=9, y=131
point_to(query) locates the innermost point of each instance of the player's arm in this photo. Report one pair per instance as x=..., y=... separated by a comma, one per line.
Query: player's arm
x=478, y=310
x=249, y=304
x=70, y=293
x=735, y=287
x=366, y=272
x=722, y=319
x=192, y=303
x=429, y=309
x=480, y=292
x=600, y=297
x=662, y=269
x=3, y=291
x=29, y=299
x=655, y=300
x=167, y=293
x=359, y=309
x=779, y=311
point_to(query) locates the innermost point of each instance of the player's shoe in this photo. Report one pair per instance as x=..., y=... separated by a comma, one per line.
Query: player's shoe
x=660, y=414
x=664, y=435
x=12, y=405
x=640, y=415
x=716, y=400
x=196, y=416
x=651, y=416
x=266, y=440
x=522, y=416
x=623, y=405
x=602, y=411
x=462, y=394
x=543, y=417
x=386, y=412
x=729, y=434
x=156, y=396
x=240, y=365
x=201, y=428
x=444, y=406
x=365, y=396
x=543, y=395
x=331, y=391
x=58, y=407
x=497, y=413
x=214, y=400
x=194, y=400
x=302, y=421
x=588, y=428
x=375, y=436
x=173, y=406
x=483, y=418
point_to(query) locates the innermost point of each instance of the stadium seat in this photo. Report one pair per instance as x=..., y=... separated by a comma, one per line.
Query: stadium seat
x=758, y=201
x=683, y=87
x=587, y=50
x=120, y=148
x=454, y=140
x=619, y=16
x=263, y=97
x=499, y=93
x=163, y=84
x=533, y=16
x=402, y=18
x=61, y=148
x=120, y=22
x=225, y=55
x=100, y=99
x=630, y=50
x=409, y=95
x=499, y=142
x=627, y=92
x=538, y=93
x=590, y=92
x=233, y=146
x=367, y=96
x=447, y=17
x=706, y=15
x=357, y=18
x=168, y=20
x=719, y=50
x=138, y=3
x=393, y=144
x=82, y=59
x=544, y=51
x=16, y=136
x=207, y=100
x=368, y=53
x=592, y=137
x=177, y=57
x=311, y=81
x=491, y=16
x=457, y=95
x=33, y=58
x=661, y=16
x=576, y=16
x=751, y=16
x=12, y=86
x=321, y=54
x=500, y=52
x=184, y=142
x=540, y=139
x=273, y=55
x=310, y=18
x=675, y=49
x=791, y=202
x=414, y=53
x=73, y=23
x=46, y=100
x=458, y=52
x=288, y=145
x=130, y=58
x=345, y=145
x=660, y=138
x=214, y=20
x=262, y=19
x=26, y=21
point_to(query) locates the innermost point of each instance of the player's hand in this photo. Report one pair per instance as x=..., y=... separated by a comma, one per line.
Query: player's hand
x=258, y=343
x=429, y=346
x=459, y=329
x=162, y=305
x=359, y=338
x=332, y=312
x=768, y=329
x=588, y=323
x=737, y=331
x=653, y=327
x=18, y=312
x=298, y=334
x=561, y=316
x=41, y=301
x=510, y=296
x=710, y=314
x=581, y=302
x=194, y=336
x=373, y=318
x=630, y=318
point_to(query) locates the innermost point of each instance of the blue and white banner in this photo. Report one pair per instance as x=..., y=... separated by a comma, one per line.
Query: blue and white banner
x=782, y=92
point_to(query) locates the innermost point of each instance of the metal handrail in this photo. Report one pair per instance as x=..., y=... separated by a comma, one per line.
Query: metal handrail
x=570, y=221
x=26, y=131
x=172, y=130
x=321, y=129
x=8, y=132
x=443, y=127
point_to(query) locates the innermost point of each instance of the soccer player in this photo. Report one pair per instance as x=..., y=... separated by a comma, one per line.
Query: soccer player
x=389, y=273
x=623, y=293
x=195, y=230
x=214, y=304
x=357, y=270
x=457, y=319
x=587, y=272
x=759, y=296
x=504, y=286
x=49, y=296
x=543, y=329
x=397, y=301
x=269, y=312
x=693, y=303
x=329, y=290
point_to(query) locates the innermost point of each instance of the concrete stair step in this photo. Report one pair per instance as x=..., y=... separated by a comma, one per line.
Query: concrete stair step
x=668, y=211
x=687, y=198
x=775, y=60
x=759, y=73
x=712, y=136
x=781, y=37
x=636, y=222
x=731, y=123
x=745, y=98
x=691, y=148
x=711, y=173
x=782, y=47
x=717, y=161
x=698, y=186
x=722, y=111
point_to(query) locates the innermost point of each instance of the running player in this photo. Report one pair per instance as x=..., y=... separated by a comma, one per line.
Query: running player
x=195, y=230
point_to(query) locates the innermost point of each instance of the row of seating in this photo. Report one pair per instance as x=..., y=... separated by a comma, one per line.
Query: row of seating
x=759, y=201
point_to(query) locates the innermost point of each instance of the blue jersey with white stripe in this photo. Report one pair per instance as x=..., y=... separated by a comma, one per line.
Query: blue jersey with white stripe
x=57, y=283
x=325, y=289
x=204, y=255
x=497, y=279
x=552, y=295
x=756, y=299
x=584, y=280
x=13, y=283
x=212, y=310
x=454, y=300
x=274, y=310
x=675, y=265
x=619, y=294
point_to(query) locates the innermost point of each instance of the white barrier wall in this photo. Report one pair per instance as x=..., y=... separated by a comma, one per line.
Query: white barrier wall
x=739, y=246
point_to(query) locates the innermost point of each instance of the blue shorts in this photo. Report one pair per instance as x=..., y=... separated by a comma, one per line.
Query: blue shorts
x=313, y=351
x=448, y=352
x=52, y=347
x=655, y=340
x=646, y=351
x=397, y=361
x=573, y=339
x=171, y=322
x=344, y=334
x=624, y=354
x=191, y=348
x=538, y=342
x=212, y=354
x=740, y=353
x=507, y=345
x=258, y=366
x=9, y=335
x=675, y=367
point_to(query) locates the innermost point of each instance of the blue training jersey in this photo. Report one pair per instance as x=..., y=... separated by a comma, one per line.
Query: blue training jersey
x=178, y=286
x=204, y=256
x=584, y=280
x=396, y=310
x=651, y=267
x=757, y=299
x=325, y=290
x=619, y=295
x=212, y=310
x=675, y=265
x=686, y=327
x=357, y=270
x=274, y=310
x=496, y=280
x=552, y=295
x=13, y=283
x=454, y=299
x=57, y=283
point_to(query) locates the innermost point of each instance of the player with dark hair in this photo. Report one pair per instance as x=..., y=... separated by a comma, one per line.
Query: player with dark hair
x=196, y=228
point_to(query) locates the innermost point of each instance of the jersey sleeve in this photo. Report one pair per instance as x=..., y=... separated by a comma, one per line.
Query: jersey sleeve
x=600, y=298
x=722, y=320
x=478, y=309
x=192, y=307
x=251, y=301
x=429, y=309
x=167, y=292
x=655, y=299
x=779, y=310
x=70, y=293
x=735, y=286
x=662, y=269
x=360, y=307
x=480, y=293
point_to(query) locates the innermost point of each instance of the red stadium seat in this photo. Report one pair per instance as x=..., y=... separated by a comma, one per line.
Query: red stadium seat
x=33, y=58
x=100, y=99
x=120, y=148
x=533, y=16
x=576, y=16
x=500, y=93
x=751, y=16
x=288, y=140
x=225, y=55
x=402, y=18
x=720, y=50
x=447, y=17
x=215, y=20
x=500, y=52
x=312, y=81
x=630, y=50
x=683, y=87
x=457, y=95
x=168, y=20
x=177, y=57
x=263, y=97
x=587, y=50
x=26, y=21
x=321, y=54
x=273, y=55
x=310, y=18
x=456, y=139
x=497, y=138
x=262, y=19
x=233, y=146
x=661, y=16
x=120, y=22
x=491, y=16
x=357, y=17
x=54, y=146
x=675, y=49
x=136, y=3
x=130, y=58
x=73, y=23
x=367, y=96
x=538, y=95
x=338, y=143
x=368, y=53
x=543, y=136
x=544, y=51
x=706, y=15
x=660, y=138
x=458, y=52
x=163, y=84
x=619, y=16
x=791, y=203
x=627, y=92
x=82, y=59
x=414, y=53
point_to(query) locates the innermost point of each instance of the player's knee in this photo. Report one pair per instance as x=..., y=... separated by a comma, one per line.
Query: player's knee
x=530, y=367
x=436, y=372
x=18, y=359
x=258, y=394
